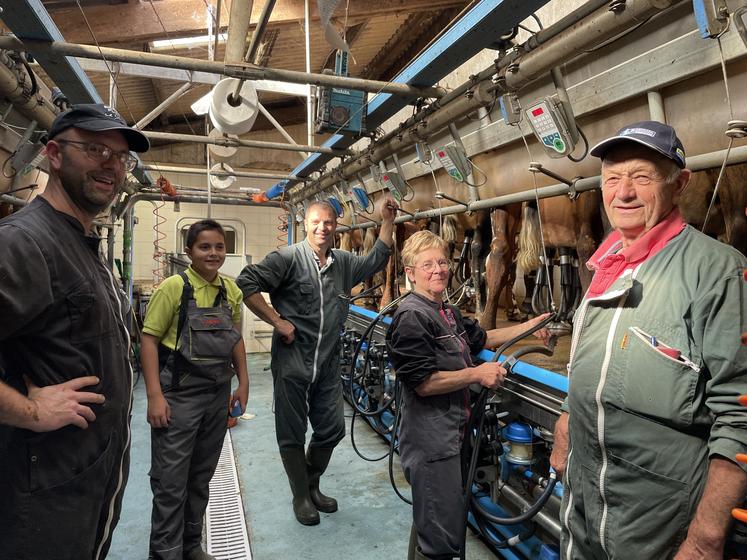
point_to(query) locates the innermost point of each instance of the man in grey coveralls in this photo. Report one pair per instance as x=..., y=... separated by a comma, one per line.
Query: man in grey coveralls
x=309, y=285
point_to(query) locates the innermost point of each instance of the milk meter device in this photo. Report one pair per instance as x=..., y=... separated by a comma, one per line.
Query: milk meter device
x=548, y=121
x=455, y=162
x=395, y=183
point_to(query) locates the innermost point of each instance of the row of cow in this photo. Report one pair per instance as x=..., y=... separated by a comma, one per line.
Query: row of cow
x=490, y=245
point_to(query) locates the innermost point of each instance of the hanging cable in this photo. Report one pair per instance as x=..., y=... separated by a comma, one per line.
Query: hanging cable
x=586, y=147
x=539, y=219
x=735, y=128
x=485, y=175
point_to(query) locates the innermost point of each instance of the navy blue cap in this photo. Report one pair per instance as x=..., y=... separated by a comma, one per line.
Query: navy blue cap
x=655, y=135
x=97, y=117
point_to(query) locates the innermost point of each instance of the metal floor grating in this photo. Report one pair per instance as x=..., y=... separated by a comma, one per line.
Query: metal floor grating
x=227, y=537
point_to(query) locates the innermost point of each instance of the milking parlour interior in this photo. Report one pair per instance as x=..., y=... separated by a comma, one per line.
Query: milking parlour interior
x=401, y=279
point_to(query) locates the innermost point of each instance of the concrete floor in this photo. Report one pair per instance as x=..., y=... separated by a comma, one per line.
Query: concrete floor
x=372, y=523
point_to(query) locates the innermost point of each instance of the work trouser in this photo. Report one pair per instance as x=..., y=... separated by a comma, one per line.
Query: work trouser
x=298, y=400
x=184, y=458
x=437, y=505
x=47, y=510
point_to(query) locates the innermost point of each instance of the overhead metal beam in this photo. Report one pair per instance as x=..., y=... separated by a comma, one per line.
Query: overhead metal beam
x=28, y=19
x=241, y=71
x=142, y=123
x=522, y=70
x=240, y=142
x=677, y=60
x=201, y=171
x=477, y=29
x=178, y=75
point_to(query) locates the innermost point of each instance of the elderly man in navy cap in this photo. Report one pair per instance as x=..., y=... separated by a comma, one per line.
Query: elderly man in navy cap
x=66, y=389
x=652, y=424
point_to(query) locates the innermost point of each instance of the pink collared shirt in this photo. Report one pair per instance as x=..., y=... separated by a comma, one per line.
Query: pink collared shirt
x=610, y=260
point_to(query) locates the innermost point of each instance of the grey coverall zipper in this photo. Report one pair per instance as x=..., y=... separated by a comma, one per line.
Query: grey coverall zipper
x=321, y=324
x=600, y=409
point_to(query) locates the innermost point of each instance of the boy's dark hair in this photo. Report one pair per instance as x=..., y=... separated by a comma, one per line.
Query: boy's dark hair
x=203, y=225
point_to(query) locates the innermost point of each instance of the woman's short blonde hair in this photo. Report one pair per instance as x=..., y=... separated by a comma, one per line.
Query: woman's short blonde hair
x=419, y=242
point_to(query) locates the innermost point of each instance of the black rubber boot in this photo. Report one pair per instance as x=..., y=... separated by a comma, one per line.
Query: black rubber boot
x=317, y=460
x=295, y=467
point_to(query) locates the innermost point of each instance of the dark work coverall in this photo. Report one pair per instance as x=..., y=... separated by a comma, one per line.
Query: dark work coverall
x=426, y=337
x=196, y=382
x=306, y=372
x=61, y=317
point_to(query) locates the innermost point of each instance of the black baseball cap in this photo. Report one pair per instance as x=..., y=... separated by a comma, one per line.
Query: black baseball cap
x=97, y=117
x=655, y=135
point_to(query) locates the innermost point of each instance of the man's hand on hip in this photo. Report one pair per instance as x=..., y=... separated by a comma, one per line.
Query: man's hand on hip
x=60, y=405
x=286, y=331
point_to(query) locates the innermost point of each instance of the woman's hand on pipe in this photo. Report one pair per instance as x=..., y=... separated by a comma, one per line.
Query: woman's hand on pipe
x=490, y=375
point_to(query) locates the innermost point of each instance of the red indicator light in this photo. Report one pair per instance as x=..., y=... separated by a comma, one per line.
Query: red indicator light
x=441, y=154
x=386, y=177
x=537, y=112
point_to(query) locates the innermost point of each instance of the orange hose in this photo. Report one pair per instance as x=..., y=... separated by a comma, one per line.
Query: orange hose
x=158, y=250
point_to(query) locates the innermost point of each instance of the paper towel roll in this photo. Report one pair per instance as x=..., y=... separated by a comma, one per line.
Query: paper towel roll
x=222, y=181
x=227, y=118
x=221, y=153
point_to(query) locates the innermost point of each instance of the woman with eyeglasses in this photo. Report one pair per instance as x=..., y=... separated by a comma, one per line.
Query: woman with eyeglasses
x=430, y=346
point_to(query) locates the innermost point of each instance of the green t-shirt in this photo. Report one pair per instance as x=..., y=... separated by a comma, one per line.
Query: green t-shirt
x=162, y=317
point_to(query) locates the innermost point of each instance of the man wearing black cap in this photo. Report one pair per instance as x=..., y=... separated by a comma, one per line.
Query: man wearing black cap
x=652, y=424
x=66, y=392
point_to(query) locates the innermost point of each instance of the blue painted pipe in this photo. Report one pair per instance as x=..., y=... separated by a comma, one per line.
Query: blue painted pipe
x=529, y=371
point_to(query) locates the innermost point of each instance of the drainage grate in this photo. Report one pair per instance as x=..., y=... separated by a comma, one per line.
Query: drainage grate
x=227, y=538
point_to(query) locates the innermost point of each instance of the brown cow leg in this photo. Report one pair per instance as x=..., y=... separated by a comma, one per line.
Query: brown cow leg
x=496, y=268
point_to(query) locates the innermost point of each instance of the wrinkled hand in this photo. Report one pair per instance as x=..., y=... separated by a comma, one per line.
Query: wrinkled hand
x=490, y=374
x=389, y=209
x=543, y=334
x=159, y=411
x=286, y=331
x=60, y=405
x=559, y=456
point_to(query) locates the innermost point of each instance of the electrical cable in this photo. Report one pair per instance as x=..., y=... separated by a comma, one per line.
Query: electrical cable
x=477, y=186
x=735, y=129
x=586, y=146
x=32, y=76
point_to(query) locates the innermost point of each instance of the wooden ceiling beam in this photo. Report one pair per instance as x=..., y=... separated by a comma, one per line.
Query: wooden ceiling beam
x=143, y=21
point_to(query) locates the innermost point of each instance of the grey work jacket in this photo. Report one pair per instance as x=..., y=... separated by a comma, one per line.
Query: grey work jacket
x=314, y=300
x=422, y=340
x=643, y=424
